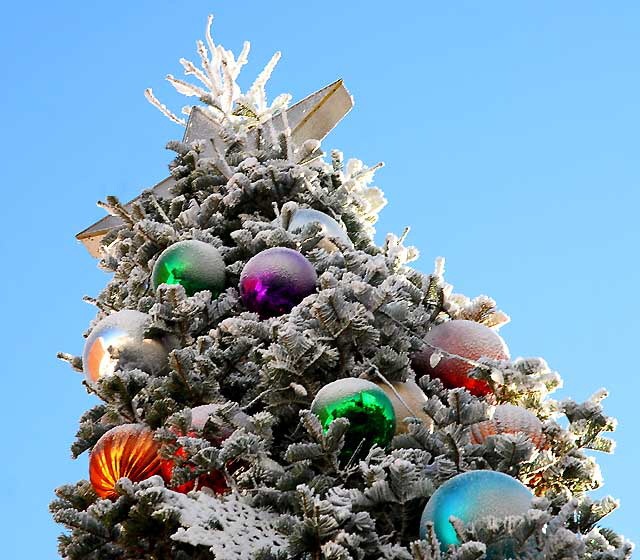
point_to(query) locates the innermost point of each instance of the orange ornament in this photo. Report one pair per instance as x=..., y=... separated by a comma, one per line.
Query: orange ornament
x=127, y=451
x=509, y=419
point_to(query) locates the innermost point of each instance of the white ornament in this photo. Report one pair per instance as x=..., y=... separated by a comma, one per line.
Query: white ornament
x=509, y=419
x=330, y=227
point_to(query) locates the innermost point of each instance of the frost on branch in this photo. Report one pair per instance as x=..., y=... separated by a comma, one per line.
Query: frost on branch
x=219, y=90
x=229, y=526
x=481, y=309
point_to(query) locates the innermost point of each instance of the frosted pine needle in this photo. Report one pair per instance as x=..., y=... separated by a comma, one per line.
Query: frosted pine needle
x=148, y=93
x=219, y=90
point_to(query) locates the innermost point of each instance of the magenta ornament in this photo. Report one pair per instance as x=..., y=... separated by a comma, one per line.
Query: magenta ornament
x=276, y=280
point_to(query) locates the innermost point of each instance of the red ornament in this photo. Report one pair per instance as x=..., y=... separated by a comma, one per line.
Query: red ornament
x=509, y=419
x=537, y=484
x=215, y=480
x=467, y=339
x=127, y=451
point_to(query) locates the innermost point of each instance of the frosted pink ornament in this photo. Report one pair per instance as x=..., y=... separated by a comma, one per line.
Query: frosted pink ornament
x=509, y=419
x=467, y=339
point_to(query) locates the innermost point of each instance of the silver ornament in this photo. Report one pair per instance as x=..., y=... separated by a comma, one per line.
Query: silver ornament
x=330, y=227
x=118, y=342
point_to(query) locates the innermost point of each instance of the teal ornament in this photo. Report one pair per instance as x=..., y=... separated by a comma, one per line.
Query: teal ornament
x=366, y=406
x=471, y=496
x=195, y=265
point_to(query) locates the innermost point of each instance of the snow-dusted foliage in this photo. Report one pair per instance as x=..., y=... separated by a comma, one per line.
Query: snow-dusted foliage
x=230, y=527
x=295, y=497
x=219, y=90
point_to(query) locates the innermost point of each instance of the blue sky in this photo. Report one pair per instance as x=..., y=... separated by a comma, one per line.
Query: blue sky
x=509, y=133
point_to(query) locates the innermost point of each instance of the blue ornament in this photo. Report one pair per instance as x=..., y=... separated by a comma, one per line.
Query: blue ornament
x=471, y=496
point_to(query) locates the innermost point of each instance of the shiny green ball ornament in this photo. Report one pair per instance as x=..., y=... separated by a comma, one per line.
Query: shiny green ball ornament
x=366, y=406
x=193, y=264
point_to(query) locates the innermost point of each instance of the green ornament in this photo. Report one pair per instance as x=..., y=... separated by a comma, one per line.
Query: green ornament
x=366, y=406
x=193, y=264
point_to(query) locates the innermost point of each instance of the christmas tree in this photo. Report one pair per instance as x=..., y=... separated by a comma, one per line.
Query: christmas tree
x=277, y=386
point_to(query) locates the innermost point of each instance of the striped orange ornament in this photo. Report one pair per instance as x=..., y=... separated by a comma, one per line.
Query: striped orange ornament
x=128, y=451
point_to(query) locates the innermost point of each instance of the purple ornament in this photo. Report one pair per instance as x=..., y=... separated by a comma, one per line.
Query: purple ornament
x=276, y=280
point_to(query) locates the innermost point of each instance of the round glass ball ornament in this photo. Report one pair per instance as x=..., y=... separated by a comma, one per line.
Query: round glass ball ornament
x=330, y=227
x=275, y=280
x=127, y=451
x=193, y=264
x=509, y=419
x=471, y=496
x=119, y=341
x=372, y=419
x=407, y=400
x=214, y=479
x=467, y=339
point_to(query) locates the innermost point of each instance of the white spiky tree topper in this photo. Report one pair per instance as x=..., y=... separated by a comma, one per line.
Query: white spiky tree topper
x=221, y=93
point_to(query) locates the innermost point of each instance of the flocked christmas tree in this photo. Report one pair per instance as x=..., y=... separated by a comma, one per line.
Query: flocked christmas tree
x=276, y=386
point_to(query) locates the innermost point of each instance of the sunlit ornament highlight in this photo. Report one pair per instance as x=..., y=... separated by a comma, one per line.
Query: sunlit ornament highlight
x=370, y=413
x=330, y=227
x=127, y=451
x=275, y=280
x=118, y=340
x=471, y=496
x=509, y=419
x=467, y=339
x=193, y=264
x=407, y=400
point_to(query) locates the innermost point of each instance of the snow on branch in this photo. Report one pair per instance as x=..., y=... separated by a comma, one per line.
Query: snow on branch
x=232, y=528
x=219, y=90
